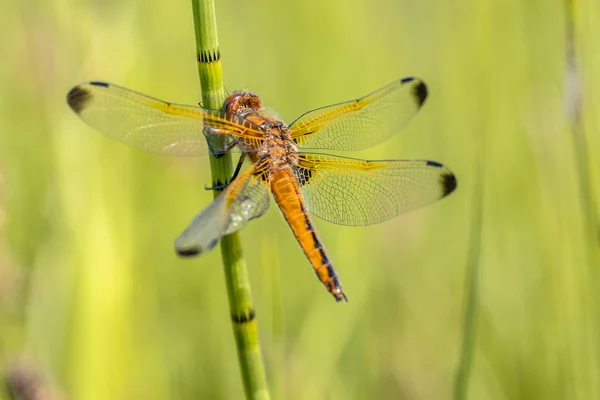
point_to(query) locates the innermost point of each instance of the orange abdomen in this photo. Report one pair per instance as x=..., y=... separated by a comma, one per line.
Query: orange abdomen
x=286, y=192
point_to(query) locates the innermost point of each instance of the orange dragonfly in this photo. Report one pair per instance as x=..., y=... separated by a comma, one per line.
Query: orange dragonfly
x=345, y=191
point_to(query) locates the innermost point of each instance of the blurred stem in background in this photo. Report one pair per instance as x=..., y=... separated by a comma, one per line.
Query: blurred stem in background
x=236, y=275
x=575, y=113
x=471, y=299
x=591, y=221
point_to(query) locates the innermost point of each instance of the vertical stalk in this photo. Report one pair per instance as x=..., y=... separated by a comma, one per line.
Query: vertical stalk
x=471, y=301
x=574, y=105
x=575, y=114
x=591, y=219
x=243, y=319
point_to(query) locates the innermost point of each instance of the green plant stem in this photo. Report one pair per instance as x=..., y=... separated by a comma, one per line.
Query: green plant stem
x=591, y=219
x=575, y=112
x=471, y=301
x=575, y=108
x=245, y=328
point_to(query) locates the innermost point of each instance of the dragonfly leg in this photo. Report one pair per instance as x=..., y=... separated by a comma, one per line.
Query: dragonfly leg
x=235, y=174
x=215, y=131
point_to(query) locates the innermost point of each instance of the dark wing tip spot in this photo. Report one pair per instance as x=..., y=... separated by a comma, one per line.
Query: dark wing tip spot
x=419, y=93
x=98, y=83
x=78, y=97
x=191, y=250
x=187, y=252
x=448, y=181
x=407, y=79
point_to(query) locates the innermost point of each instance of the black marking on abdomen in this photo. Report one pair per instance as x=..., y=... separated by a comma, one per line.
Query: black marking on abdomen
x=244, y=318
x=324, y=257
x=309, y=225
x=78, y=97
x=333, y=275
x=208, y=56
x=316, y=241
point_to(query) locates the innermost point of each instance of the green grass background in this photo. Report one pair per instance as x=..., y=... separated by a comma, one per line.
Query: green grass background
x=93, y=297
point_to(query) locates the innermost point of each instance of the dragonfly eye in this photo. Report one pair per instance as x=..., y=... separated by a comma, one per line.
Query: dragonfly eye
x=231, y=104
x=240, y=101
x=253, y=101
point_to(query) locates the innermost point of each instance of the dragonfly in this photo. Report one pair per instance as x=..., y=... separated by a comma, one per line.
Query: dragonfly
x=283, y=161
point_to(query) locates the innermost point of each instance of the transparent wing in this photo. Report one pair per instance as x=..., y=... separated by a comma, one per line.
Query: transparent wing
x=363, y=123
x=354, y=192
x=244, y=199
x=152, y=125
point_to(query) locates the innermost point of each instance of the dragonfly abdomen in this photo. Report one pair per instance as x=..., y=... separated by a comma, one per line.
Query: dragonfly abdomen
x=286, y=192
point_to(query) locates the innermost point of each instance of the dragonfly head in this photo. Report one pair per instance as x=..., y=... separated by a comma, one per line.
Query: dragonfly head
x=237, y=102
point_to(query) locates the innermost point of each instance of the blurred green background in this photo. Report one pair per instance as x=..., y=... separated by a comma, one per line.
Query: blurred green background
x=94, y=299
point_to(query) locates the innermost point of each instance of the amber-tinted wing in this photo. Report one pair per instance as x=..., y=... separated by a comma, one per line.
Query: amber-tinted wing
x=152, y=125
x=349, y=191
x=244, y=199
x=363, y=123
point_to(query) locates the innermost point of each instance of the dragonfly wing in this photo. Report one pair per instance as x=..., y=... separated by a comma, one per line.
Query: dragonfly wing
x=354, y=192
x=362, y=123
x=153, y=125
x=242, y=200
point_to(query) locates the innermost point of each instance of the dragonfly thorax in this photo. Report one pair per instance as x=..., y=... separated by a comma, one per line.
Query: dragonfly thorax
x=279, y=148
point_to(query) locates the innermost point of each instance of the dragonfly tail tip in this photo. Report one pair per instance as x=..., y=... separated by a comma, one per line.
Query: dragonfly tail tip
x=340, y=296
